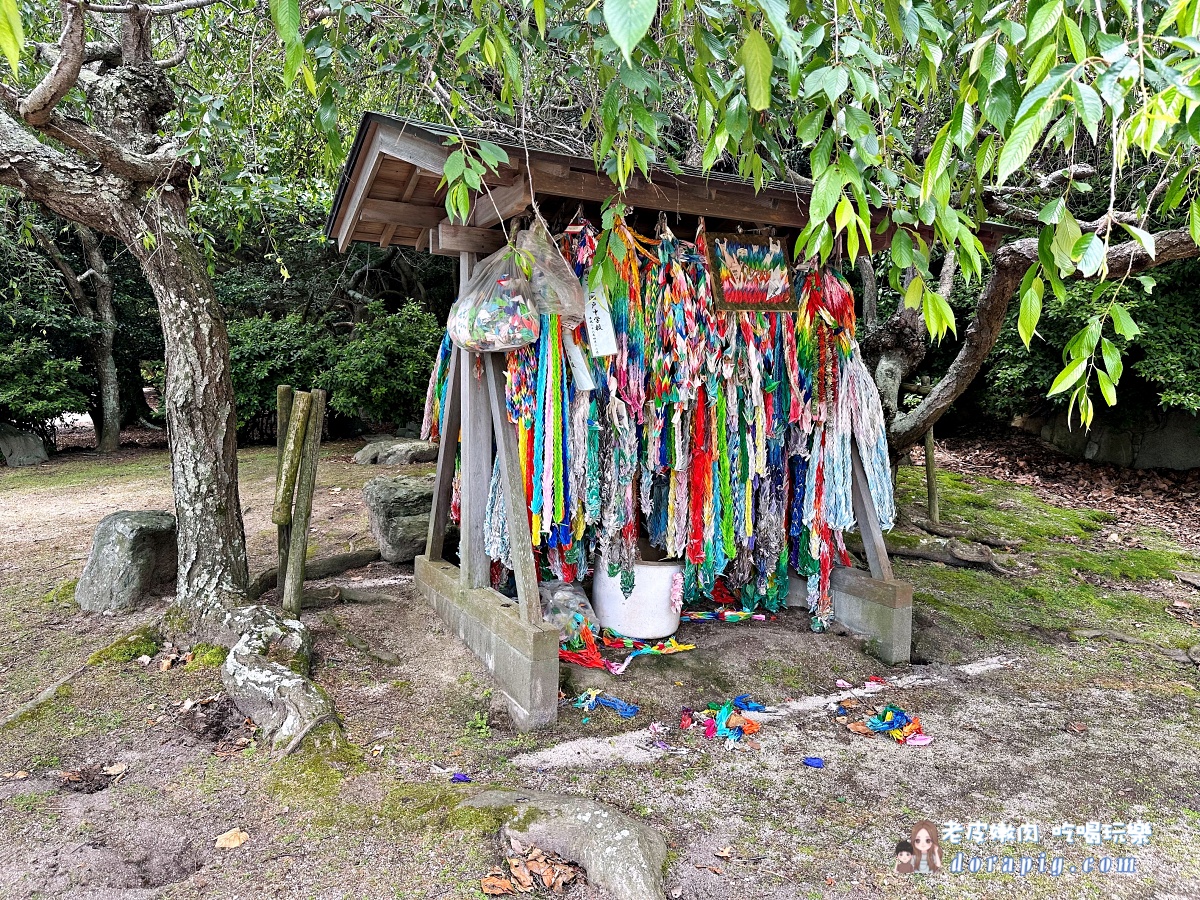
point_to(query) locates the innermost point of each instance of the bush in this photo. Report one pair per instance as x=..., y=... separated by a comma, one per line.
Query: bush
x=382, y=373
x=379, y=373
x=266, y=352
x=1162, y=364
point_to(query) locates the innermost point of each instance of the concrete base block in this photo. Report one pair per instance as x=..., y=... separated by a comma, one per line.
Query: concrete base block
x=522, y=657
x=881, y=610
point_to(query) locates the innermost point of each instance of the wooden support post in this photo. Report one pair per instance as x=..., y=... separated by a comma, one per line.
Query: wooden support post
x=289, y=464
x=306, y=484
x=931, y=486
x=475, y=473
x=283, y=416
x=443, y=487
x=516, y=508
x=868, y=518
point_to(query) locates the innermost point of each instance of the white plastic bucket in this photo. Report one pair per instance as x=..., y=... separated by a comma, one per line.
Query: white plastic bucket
x=646, y=614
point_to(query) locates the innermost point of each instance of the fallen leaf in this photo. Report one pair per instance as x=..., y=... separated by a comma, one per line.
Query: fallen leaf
x=1076, y=728
x=232, y=839
x=15, y=776
x=495, y=885
x=724, y=853
x=114, y=770
x=716, y=870
x=164, y=664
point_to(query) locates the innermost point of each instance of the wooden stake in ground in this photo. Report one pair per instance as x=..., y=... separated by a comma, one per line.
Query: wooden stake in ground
x=289, y=464
x=283, y=416
x=306, y=483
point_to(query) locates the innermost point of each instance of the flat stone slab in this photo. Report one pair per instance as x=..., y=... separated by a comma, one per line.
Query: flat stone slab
x=622, y=856
x=396, y=452
x=20, y=448
x=133, y=555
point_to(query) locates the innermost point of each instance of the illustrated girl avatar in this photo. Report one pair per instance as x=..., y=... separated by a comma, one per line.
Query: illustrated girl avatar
x=904, y=858
x=927, y=854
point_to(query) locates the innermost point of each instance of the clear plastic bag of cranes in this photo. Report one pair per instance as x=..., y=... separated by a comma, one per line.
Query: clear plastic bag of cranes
x=496, y=309
x=555, y=287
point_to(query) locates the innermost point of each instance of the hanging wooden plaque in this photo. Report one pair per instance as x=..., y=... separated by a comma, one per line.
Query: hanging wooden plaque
x=750, y=273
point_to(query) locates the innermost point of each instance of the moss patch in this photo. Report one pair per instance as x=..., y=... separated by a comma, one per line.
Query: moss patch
x=1079, y=580
x=314, y=773
x=145, y=641
x=63, y=593
x=206, y=656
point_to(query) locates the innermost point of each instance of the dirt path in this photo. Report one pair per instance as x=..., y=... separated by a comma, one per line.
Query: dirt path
x=1000, y=681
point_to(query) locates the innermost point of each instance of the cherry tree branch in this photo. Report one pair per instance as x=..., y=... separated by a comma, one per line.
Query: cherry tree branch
x=1010, y=263
x=37, y=108
x=95, y=145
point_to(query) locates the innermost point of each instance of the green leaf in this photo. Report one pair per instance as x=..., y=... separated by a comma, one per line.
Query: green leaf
x=1194, y=221
x=293, y=59
x=492, y=154
x=1020, y=143
x=1107, y=388
x=1075, y=40
x=902, y=249
x=1112, y=359
x=939, y=317
x=891, y=12
x=1042, y=22
x=826, y=190
x=1031, y=311
x=1052, y=212
x=455, y=164
x=1088, y=106
x=1123, y=323
x=1071, y=373
x=939, y=157
x=1089, y=252
x=539, y=15
x=628, y=21
x=12, y=35
x=993, y=63
x=1143, y=237
x=914, y=293
x=757, y=62
x=285, y=15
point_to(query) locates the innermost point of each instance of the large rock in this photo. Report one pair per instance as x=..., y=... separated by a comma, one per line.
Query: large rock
x=398, y=508
x=621, y=855
x=20, y=448
x=393, y=452
x=133, y=556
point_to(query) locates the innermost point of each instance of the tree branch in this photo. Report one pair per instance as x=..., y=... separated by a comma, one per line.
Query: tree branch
x=164, y=9
x=72, y=281
x=95, y=145
x=60, y=183
x=38, y=106
x=1009, y=266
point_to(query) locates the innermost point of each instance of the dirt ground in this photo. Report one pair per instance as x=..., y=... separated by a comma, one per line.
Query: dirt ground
x=1003, y=668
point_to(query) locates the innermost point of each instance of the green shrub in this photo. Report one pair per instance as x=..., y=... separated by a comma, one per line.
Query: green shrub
x=266, y=352
x=381, y=374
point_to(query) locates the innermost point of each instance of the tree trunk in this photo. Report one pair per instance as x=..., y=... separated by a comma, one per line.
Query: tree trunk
x=201, y=421
x=108, y=428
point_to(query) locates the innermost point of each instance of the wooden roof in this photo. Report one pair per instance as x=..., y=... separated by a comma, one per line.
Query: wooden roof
x=388, y=193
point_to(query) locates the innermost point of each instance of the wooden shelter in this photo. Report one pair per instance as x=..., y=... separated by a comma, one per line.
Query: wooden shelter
x=390, y=195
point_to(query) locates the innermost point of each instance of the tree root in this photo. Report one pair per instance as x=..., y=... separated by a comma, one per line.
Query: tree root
x=1183, y=657
x=266, y=673
x=960, y=531
x=317, y=568
x=956, y=553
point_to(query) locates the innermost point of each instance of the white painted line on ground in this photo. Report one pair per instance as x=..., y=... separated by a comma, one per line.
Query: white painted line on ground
x=637, y=746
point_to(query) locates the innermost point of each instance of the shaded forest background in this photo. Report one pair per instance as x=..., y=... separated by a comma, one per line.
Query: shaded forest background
x=366, y=327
